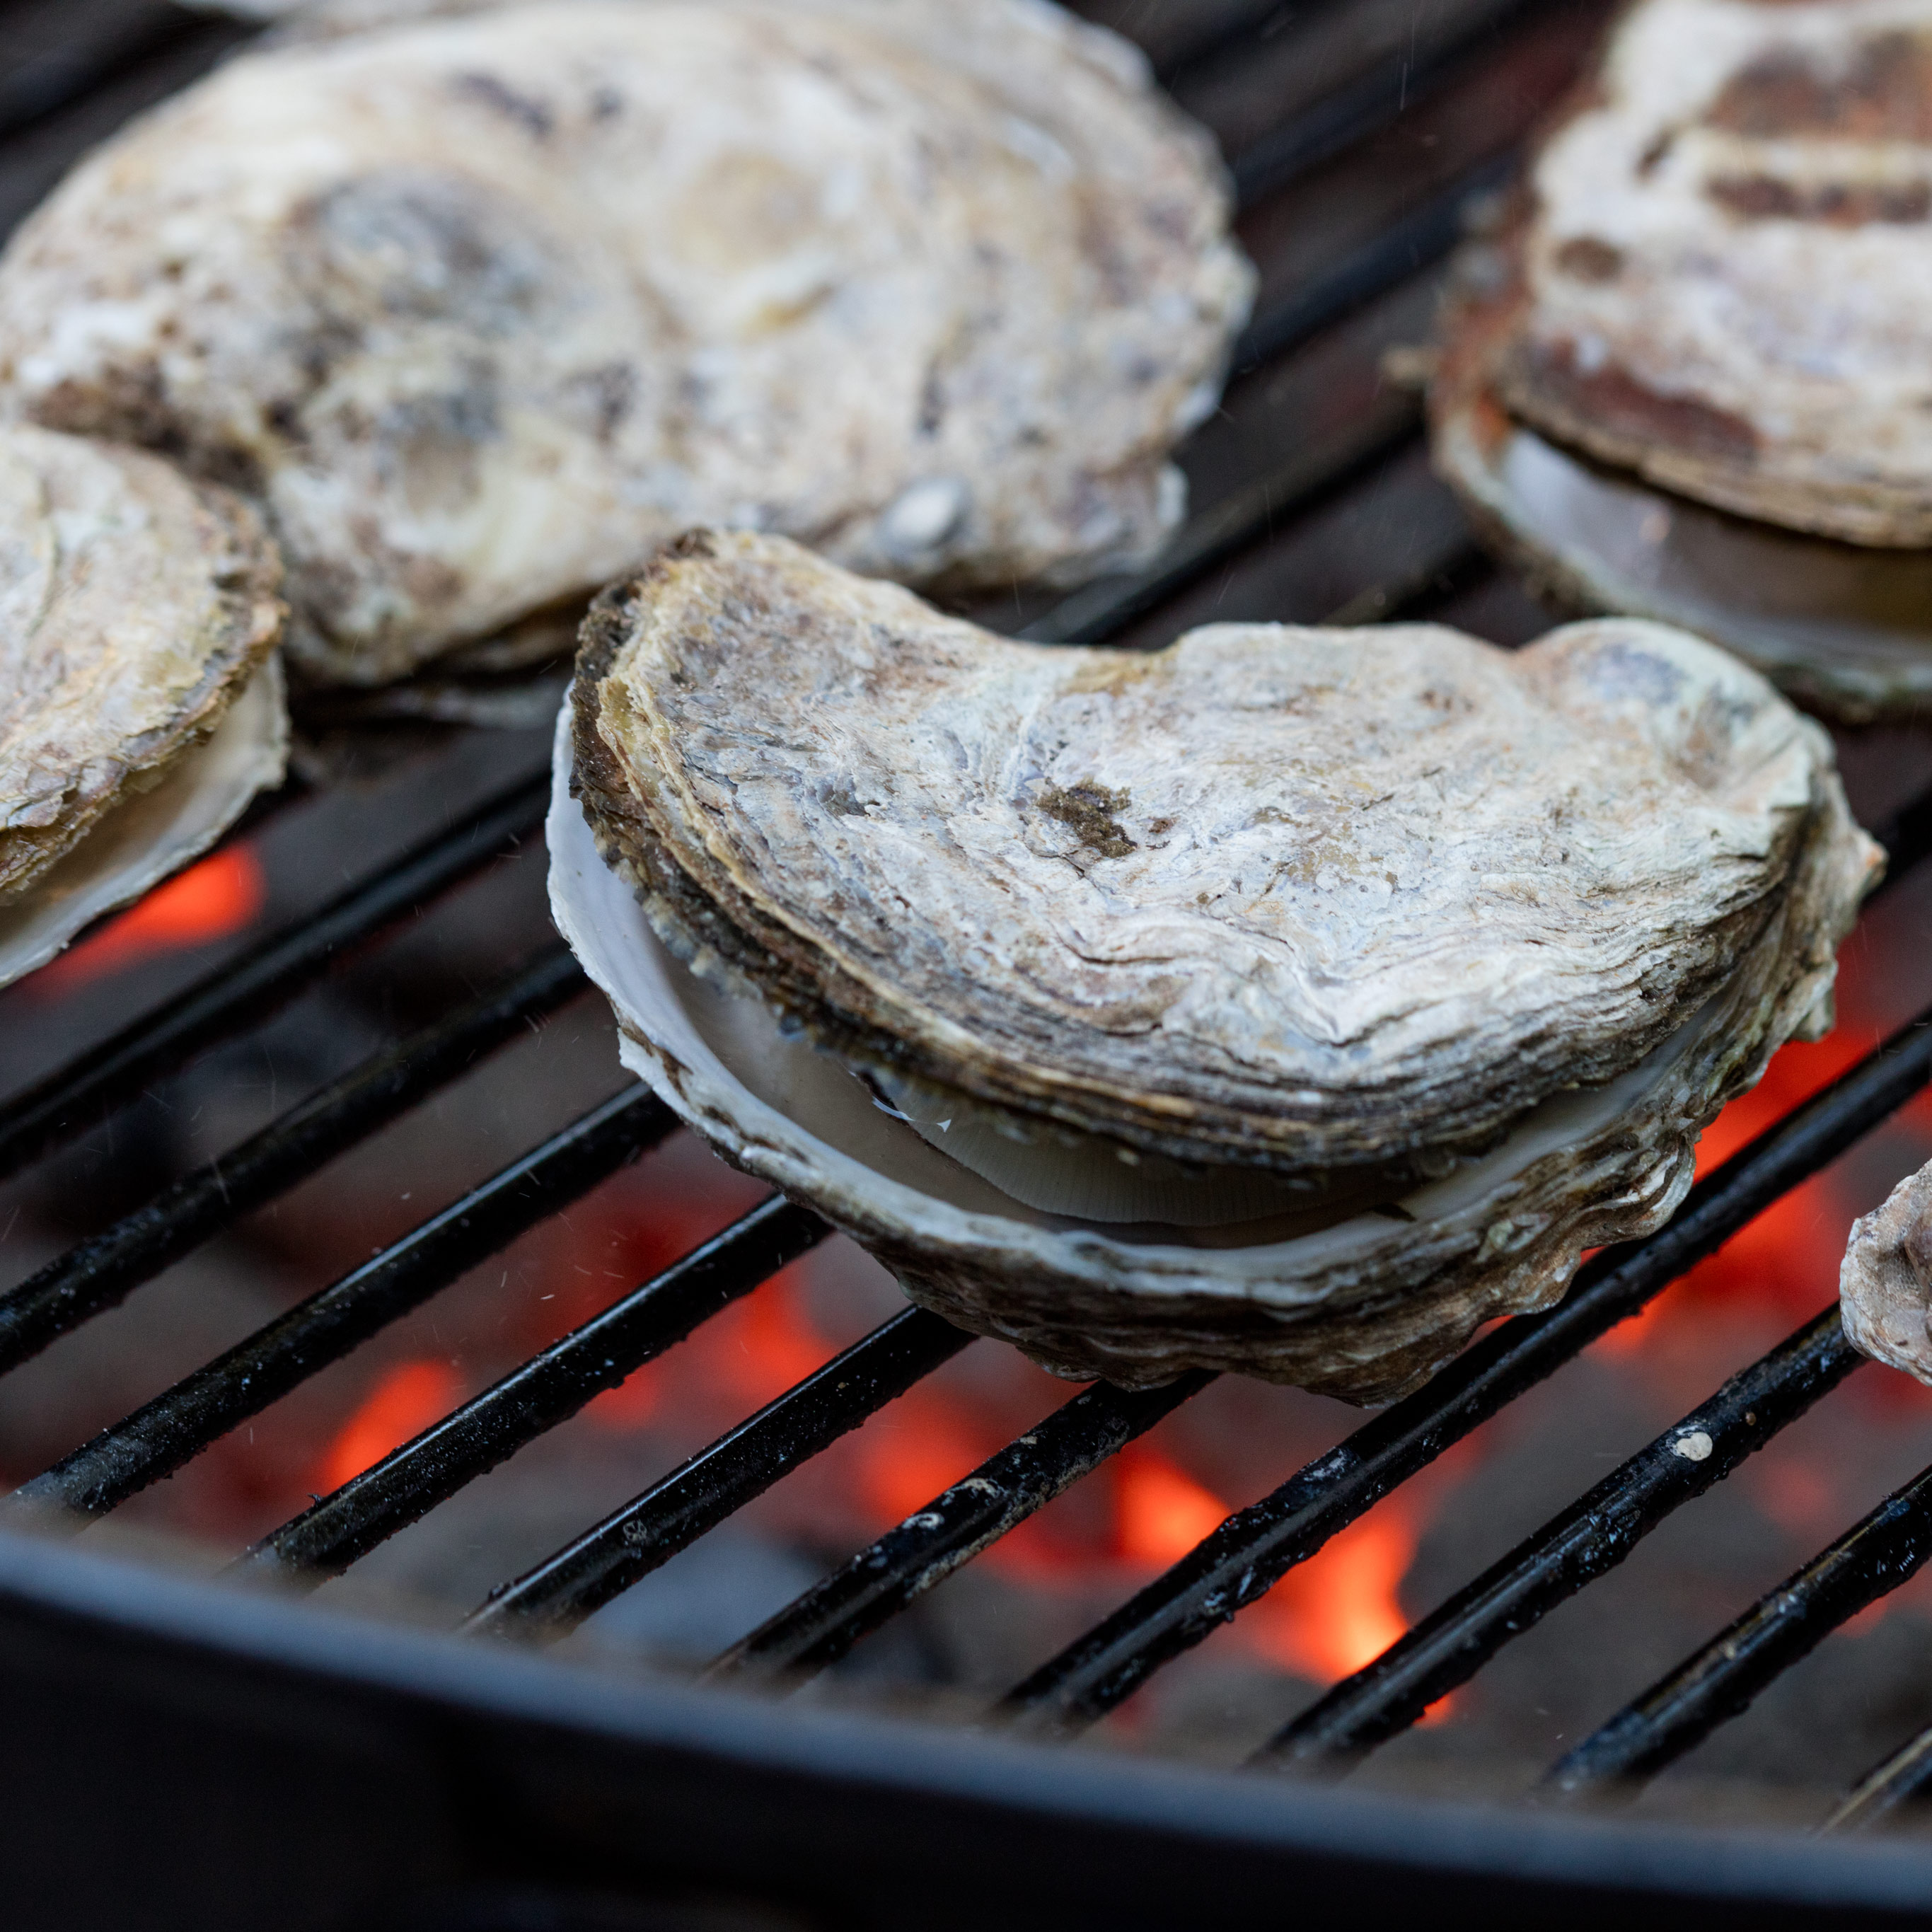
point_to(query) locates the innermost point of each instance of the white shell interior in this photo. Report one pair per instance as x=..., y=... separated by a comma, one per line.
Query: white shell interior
x=148, y=838
x=799, y=1118
x=1853, y=623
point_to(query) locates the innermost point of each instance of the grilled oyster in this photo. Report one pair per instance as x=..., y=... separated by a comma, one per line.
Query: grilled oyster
x=480, y=310
x=1289, y=1001
x=1688, y=377
x=1885, y=1286
x=140, y=708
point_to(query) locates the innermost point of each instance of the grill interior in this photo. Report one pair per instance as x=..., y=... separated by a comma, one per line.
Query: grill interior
x=364, y=1013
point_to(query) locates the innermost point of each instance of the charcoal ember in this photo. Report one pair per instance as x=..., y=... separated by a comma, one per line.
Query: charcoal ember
x=1289, y=1001
x=482, y=309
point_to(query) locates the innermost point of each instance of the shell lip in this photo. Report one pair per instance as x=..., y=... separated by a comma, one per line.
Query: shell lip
x=147, y=838
x=1841, y=626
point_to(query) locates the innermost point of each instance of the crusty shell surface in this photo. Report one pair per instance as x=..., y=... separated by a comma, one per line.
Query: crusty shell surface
x=1365, y=1310
x=1290, y=897
x=482, y=309
x=1722, y=274
x=135, y=605
x=1885, y=1284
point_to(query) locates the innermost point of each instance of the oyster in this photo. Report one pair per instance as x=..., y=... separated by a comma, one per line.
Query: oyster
x=140, y=707
x=480, y=309
x=1288, y=1001
x=1885, y=1286
x=1687, y=377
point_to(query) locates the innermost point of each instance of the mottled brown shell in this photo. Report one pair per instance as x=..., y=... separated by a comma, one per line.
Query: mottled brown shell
x=135, y=605
x=1720, y=276
x=1298, y=899
x=482, y=309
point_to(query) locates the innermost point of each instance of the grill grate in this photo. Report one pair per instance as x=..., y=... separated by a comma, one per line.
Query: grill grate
x=1255, y=1546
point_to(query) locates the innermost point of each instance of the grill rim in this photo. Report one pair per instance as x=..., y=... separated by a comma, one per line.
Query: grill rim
x=845, y=1778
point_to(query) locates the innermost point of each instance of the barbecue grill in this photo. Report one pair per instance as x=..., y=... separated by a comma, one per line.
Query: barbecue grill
x=216, y=1749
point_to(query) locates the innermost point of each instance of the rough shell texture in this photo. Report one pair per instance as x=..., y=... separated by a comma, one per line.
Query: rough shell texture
x=483, y=309
x=1885, y=1286
x=151, y=835
x=1365, y=1309
x=1723, y=276
x=1845, y=629
x=1295, y=898
x=134, y=606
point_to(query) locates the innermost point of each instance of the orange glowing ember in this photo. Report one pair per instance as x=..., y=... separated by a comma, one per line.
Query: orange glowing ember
x=401, y=1405
x=743, y=1357
x=208, y=902
x=1327, y=1617
x=1163, y=1511
x=1340, y=1610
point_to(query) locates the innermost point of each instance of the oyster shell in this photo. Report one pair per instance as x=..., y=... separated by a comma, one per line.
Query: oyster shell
x=152, y=835
x=998, y=880
x=1715, y=283
x=482, y=309
x=1723, y=271
x=135, y=608
x=1885, y=1284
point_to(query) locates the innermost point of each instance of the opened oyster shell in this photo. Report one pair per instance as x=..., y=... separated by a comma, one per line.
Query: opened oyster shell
x=140, y=708
x=1885, y=1284
x=1286, y=1000
x=1687, y=377
x=480, y=310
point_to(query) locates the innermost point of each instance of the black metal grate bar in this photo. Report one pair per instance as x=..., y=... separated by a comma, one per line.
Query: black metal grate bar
x=1236, y=523
x=817, y=1629
x=1243, y=1559
x=1592, y=1536
x=1902, y=1779
x=1371, y=103
x=546, y=1390
x=266, y=977
x=1405, y=249
x=61, y=76
x=1251, y=514
x=158, y=1438
x=1456, y=563
x=104, y=1270
x=560, y=1592
x=1870, y=1560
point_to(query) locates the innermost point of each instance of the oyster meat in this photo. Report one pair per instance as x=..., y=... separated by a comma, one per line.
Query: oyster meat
x=1288, y=999
x=140, y=706
x=480, y=309
x=1885, y=1284
x=1687, y=377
